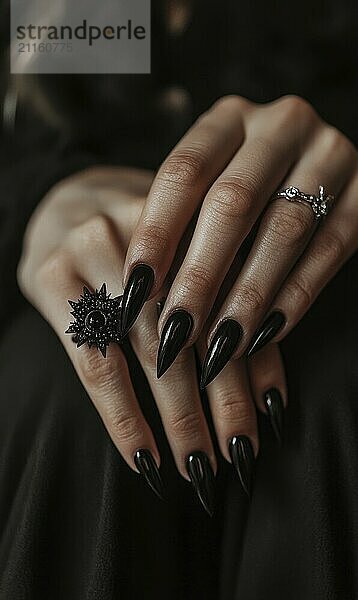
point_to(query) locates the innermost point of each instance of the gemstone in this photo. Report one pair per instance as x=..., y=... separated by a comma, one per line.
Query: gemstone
x=292, y=192
x=95, y=320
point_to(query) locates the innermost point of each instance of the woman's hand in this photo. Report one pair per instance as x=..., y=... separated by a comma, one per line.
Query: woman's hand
x=78, y=236
x=225, y=170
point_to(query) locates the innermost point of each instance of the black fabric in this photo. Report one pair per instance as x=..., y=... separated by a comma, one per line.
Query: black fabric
x=300, y=538
x=75, y=522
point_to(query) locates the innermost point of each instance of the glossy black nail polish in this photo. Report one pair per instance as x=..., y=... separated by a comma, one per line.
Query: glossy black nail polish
x=243, y=459
x=271, y=326
x=175, y=333
x=147, y=467
x=202, y=478
x=136, y=292
x=275, y=410
x=222, y=347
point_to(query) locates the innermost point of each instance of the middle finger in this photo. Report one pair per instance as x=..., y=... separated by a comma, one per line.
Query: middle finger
x=228, y=213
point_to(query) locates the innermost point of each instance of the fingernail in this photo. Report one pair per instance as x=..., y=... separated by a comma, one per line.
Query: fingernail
x=175, y=333
x=136, y=292
x=243, y=459
x=202, y=478
x=221, y=349
x=147, y=467
x=275, y=410
x=274, y=322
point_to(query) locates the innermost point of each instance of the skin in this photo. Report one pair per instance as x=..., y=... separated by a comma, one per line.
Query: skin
x=97, y=225
x=79, y=235
x=228, y=166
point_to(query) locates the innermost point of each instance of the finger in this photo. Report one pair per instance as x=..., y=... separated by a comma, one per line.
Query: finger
x=231, y=208
x=177, y=191
x=178, y=400
x=234, y=418
x=282, y=237
x=106, y=380
x=331, y=246
x=177, y=396
x=268, y=385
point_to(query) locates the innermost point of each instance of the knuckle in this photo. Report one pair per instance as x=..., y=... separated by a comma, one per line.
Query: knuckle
x=296, y=107
x=252, y=298
x=152, y=238
x=300, y=293
x=185, y=425
x=290, y=225
x=234, y=411
x=124, y=427
x=231, y=101
x=96, y=232
x=334, y=143
x=233, y=198
x=197, y=280
x=331, y=138
x=332, y=247
x=54, y=269
x=97, y=372
x=185, y=167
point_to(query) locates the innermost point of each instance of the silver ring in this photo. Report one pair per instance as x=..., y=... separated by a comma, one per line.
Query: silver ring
x=319, y=204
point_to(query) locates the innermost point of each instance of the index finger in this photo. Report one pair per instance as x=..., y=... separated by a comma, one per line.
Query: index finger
x=178, y=189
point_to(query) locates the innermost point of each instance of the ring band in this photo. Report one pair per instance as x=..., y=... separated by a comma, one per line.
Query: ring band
x=97, y=319
x=319, y=204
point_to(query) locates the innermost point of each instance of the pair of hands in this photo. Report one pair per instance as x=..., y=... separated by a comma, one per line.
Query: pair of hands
x=178, y=236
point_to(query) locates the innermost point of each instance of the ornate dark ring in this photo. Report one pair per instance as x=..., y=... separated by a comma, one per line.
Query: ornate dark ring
x=97, y=319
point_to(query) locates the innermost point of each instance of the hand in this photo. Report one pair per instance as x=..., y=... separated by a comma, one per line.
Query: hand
x=78, y=236
x=225, y=171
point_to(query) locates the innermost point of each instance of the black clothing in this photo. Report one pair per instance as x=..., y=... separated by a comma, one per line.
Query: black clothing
x=75, y=522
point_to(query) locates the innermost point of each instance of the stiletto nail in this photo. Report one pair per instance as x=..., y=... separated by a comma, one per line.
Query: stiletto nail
x=275, y=410
x=175, y=333
x=221, y=349
x=271, y=326
x=136, y=293
x=147, y=467
x=243, y=459
x=202, y=478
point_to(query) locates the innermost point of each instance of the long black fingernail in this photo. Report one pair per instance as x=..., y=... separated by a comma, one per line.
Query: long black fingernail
x=243, y=459
x=202, y=478
x=275, y=410
x=175, y=333
x=223, y=346
x=271, y=326
x=136, y=292
x=147, y=467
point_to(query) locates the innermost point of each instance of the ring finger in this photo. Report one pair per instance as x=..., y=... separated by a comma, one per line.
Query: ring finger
x=284, y=232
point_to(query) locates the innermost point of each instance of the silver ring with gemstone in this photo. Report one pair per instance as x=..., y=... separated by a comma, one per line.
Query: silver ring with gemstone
x=320, y=204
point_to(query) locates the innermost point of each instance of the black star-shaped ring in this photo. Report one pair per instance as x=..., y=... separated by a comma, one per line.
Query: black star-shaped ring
x=97, y=319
